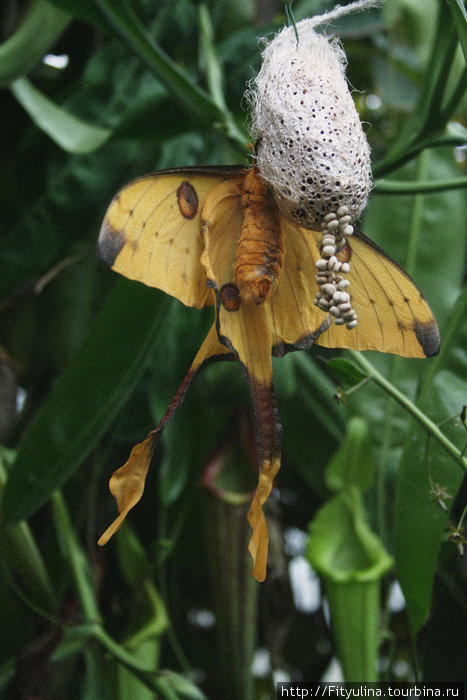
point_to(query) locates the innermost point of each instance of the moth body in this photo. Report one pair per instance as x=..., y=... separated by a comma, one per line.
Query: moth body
x=260, y=249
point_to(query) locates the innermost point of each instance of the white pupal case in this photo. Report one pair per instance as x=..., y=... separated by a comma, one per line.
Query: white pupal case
x=311, y=148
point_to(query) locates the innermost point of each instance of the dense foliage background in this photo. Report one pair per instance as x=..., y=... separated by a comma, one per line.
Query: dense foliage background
x=95, y=93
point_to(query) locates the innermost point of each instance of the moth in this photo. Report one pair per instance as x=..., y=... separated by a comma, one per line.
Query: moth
x=215, y=236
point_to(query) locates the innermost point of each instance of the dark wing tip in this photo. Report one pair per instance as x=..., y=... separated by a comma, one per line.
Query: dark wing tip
x=109, y=244
x=428, y=337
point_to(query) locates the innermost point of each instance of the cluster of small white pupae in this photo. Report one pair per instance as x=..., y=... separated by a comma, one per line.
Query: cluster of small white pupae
x=333, y=295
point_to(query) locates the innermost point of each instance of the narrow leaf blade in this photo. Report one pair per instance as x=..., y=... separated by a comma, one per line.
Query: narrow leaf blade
x=70, y=133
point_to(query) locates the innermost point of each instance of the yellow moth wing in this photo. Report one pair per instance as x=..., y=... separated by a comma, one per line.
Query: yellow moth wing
x=151, y=231
x=393, y=315
x=295, y=319
x=222, y=218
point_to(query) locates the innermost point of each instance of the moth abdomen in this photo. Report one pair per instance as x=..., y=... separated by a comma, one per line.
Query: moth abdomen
x=260, y=249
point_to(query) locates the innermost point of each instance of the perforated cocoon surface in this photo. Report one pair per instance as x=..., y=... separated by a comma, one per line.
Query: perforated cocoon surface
x=311, y=149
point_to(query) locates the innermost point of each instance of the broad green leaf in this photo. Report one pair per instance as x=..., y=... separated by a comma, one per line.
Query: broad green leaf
x=153, y=116
x=415, y=33
x=388, y=221
x=86, y=398
x=55, y=212
x=69, y=132
x=191, y=435
x=41, y=26
x=442, y=89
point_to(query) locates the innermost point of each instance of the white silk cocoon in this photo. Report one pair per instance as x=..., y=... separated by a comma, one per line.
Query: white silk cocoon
x=311, y=148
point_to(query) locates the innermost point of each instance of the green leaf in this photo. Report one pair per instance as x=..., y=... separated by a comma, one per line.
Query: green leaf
x=75, y=558
x=41, y=26
x=436, y=271
x=69, y=132
x=187, y=439
x=7, y=671
x=86, y=397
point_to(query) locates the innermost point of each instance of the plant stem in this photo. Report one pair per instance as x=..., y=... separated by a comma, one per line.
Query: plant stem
x=79, y=569
x=414, y=236
x=215, y=76
x=411, y=408
x=427, y=123
x=211, y=61
x=129, y=29
x=76, y=558
x=42, y=24
x=416, y=215
x=20, y=553
x=401, y=187
x=459, y=16
x=206, y=110
x=145, y=675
